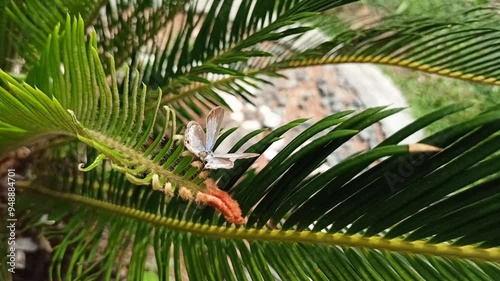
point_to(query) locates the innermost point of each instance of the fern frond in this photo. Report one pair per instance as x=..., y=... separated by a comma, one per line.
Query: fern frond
x=366, y=218
x=189, y=68
x=35, y=28
x=419, y=245
x=463, y=45
x=84, y=106
x=459, y=46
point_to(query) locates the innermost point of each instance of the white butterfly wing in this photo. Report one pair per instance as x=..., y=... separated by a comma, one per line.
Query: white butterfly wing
x=194, y=138
x=214, y=121
x=213, y=163
x=236, y=156
x=225, y=161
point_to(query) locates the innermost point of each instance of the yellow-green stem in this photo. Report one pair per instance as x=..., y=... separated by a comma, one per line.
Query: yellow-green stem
x=339, y=239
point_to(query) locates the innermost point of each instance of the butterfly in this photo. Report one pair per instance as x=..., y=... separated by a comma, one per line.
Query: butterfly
x=201, y=144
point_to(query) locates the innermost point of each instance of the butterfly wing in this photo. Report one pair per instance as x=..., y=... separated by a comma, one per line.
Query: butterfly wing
x=213, y=162
x=225, y=161
x=236, y=156
x=214, y=121
x=194, y=138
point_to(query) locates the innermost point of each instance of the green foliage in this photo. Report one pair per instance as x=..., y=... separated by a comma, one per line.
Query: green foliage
x=419, y=213
x=421, y=89
x=420, y=7
x=32, y=25
x=426, y=93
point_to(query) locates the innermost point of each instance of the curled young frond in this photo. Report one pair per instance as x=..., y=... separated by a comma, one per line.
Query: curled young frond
x=111, y=119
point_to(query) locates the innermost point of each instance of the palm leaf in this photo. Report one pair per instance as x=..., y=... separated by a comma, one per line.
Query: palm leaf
x=121, y=26
x=118, y=129
x=354, y=221
x=35, y=28
x=463, y=45
x=282, y=253
x=191, y=68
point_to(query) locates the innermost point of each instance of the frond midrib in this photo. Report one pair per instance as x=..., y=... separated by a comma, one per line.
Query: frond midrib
x=391, y=61
x=290, y=236
x=470, y=77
